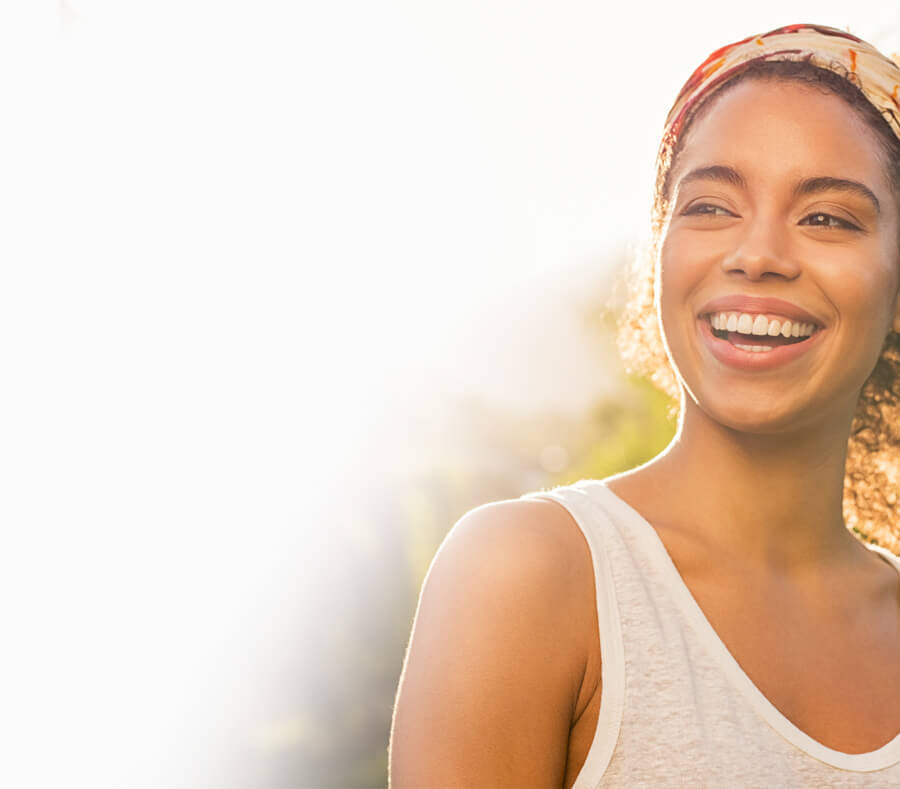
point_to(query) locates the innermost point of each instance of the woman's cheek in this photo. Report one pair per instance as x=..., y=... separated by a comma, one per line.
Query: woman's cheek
x=867, y=297
x=683, y=268
x=677, y=278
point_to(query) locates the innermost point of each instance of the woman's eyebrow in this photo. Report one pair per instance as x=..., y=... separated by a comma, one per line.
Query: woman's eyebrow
x=714, y=172
x=809, y=186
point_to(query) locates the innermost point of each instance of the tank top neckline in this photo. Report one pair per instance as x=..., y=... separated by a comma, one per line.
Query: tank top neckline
x=656, y=552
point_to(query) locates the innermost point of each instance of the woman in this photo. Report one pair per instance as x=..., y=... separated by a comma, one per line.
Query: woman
x=707, y=619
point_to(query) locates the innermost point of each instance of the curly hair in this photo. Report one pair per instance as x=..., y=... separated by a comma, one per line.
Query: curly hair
x=872, y=470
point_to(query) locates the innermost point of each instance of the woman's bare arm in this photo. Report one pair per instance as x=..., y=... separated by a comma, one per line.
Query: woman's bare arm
x=497, y=655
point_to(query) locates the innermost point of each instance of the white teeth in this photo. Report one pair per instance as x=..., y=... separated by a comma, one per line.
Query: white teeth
x=755, y=348
x=761, y=325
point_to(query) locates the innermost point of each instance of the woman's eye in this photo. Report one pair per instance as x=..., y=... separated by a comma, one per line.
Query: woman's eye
x=820, y=219
x=706, y=209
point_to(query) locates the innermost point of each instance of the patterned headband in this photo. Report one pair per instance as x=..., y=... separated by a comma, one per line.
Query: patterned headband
x=877, y=76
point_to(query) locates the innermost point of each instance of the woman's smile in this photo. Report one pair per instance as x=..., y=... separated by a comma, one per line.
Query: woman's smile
x=752, y=333
x=747, y=351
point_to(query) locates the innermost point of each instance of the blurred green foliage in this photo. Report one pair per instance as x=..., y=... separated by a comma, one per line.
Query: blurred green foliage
x=627, y=432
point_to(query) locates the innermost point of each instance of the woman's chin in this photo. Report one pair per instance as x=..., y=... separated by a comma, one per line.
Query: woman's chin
x=757, y=415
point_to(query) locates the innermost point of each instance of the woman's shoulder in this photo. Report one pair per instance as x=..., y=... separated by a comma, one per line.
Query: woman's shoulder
x=515, y=565
x=518, y=541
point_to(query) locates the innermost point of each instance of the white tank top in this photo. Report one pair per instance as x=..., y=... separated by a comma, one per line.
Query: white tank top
x=677, y=710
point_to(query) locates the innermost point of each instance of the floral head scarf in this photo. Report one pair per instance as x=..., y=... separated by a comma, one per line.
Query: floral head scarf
x=877, y=76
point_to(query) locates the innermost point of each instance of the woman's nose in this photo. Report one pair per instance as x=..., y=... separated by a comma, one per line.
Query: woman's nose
x=762, y=250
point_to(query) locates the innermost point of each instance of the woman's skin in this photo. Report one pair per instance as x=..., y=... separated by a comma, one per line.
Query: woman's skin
x=502, y=682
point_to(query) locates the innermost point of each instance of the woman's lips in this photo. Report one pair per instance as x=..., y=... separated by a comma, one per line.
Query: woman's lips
x=732, y=356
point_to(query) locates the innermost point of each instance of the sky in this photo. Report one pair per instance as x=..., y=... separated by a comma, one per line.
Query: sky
x=238, y=233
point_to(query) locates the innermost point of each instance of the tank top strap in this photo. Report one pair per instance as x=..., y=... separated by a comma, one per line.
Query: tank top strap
x=582, y=501
x=884, y=553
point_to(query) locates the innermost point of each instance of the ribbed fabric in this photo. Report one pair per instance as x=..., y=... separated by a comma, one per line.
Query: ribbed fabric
x=677, y=710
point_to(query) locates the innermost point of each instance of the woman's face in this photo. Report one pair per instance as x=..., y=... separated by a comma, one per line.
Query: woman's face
x=781, y=207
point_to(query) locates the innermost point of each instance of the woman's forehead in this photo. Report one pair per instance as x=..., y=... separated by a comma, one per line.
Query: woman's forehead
x=774, y=128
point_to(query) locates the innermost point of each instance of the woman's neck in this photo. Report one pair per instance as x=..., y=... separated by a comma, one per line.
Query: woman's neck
x=776, y=499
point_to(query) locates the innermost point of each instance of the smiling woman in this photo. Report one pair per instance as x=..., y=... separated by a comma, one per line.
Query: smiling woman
x=681, y=624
